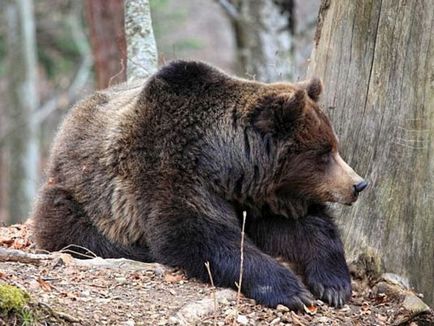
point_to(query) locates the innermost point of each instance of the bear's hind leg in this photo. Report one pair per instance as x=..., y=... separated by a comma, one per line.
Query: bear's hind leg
x=314, y=245
x=59, y=221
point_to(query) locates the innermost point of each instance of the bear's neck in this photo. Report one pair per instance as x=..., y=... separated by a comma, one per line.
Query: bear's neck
x=288, y=207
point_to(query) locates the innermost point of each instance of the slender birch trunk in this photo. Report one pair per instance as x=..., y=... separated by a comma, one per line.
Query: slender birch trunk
x=141, y=47
x=22, y=145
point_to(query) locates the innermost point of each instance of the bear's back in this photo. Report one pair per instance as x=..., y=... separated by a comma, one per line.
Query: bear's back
x=92, y=127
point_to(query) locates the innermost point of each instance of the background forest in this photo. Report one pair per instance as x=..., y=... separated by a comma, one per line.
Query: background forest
x=376, y=60
x=75, y=47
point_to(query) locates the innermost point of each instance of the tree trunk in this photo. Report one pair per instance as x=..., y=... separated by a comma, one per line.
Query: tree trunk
x=141, y=46
x=264, y=37
x=106, y=25
x=22, y=144
x=376, y=59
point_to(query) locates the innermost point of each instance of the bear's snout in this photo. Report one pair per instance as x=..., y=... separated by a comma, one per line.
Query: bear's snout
x=359, y=187
x=345, y=182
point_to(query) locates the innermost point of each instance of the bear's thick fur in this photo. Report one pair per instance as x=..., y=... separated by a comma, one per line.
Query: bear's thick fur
x=162, y=171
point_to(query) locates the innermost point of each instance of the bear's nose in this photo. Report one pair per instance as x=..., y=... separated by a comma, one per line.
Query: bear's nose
x=360, y=186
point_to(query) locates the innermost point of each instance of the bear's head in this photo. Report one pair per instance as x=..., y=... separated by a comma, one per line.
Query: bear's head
x=306, y=150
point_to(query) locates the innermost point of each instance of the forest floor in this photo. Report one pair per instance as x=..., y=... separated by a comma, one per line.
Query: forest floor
x=61, y=290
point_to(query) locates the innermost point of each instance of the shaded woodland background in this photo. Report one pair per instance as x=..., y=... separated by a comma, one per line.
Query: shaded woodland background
x=375, y=57
x=79, y=46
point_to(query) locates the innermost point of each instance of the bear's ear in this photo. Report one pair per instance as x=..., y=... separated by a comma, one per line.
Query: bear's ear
x=313, y=88
x=278, y=113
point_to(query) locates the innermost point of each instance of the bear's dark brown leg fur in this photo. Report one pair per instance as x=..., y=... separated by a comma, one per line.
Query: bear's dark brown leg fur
x=313, y=244
x=60, y=222
x=190, y=239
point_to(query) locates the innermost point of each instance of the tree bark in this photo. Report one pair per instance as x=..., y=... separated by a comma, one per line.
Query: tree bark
x=264, y=37
x=22, y=144
x=376, y=59
x=106, y=25
x=141, y=46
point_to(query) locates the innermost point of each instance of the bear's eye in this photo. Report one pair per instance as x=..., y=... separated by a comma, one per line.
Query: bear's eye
x=324, y=157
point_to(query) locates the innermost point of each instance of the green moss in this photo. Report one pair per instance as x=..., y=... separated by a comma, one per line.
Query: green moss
x=14, y=305
x=12, y=298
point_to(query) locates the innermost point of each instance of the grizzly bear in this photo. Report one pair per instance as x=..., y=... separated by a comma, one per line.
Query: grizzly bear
x=162, y=170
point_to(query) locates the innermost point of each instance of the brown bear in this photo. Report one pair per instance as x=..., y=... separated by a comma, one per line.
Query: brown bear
x=162, y=171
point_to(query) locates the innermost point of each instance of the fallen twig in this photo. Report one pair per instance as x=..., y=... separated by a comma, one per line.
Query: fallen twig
x=213, y=292
x=13, y=255
x=240, y=281
x=57, y=314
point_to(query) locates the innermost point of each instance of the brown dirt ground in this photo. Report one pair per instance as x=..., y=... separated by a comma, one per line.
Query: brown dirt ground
x=152, y=295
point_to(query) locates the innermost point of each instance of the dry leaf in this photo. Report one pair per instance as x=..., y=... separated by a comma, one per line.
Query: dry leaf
x=44, y=285
x=136, y=276
x=7, y=242
x=311, y=310
x=171, y=278
x=20, y=244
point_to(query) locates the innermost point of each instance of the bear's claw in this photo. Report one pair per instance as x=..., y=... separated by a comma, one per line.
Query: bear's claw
x=290, y=294
x=301, y=301
x=335, y=295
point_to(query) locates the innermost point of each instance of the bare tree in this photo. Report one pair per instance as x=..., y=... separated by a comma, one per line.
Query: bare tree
x=264, y=37
x=141, y=46
x=377, y=62
x=22, y=144
x=105, y=19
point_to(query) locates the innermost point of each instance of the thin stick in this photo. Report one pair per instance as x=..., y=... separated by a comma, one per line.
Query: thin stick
x=213, y=292
x=119, y=73
x=14, y=255
x=68, y=250
x=240, y=281
x=57, y=314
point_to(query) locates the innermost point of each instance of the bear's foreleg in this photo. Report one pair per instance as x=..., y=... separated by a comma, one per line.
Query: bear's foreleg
x=314, y=245
x=188, y=239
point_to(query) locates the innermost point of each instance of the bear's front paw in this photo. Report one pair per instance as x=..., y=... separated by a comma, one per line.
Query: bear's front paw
x=288, y=292
x=332, y=289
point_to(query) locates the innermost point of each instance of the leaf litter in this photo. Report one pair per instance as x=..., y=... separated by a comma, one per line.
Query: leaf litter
x=120, y=292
